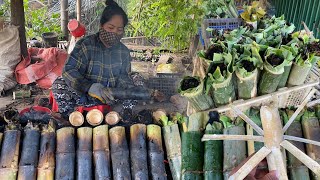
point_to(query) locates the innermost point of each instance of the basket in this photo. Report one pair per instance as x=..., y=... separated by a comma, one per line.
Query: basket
x=165, y=83
x=284, y=97
x=217, y=24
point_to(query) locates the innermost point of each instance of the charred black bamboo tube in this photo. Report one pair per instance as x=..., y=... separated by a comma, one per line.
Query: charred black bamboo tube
x=101, y=153
x=155, y=153
x=29, y=153
x=10, y=153
x=119, y=153
x=47, y=151
x=138, y=151
x=65, y=154
x=84, y=153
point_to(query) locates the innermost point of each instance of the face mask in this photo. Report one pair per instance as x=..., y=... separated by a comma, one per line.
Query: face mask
x=109, y=38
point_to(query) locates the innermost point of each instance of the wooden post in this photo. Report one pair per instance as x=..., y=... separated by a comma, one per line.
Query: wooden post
x=64, y=18
x=79, y=11
x=17, y=19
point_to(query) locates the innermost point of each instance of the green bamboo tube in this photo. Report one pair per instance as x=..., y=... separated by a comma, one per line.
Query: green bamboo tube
x=101, y=152
x=138, y=151
x=196, y=96
x=192, y=155
x=84, y=153
x=247, y=86
x=311, y=130
x=285, y=76
x=155, y=152
x=234, y=151
x=65, y=154
x=29, y=153
x=298, y=74
x=119, y=153
x=46, y=162
x=213, y=154
x=172, y=142
x=269, y=81
x=8, y=173
x=224, y=93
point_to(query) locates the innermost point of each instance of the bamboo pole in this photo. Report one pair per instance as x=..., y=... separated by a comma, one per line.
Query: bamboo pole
x=138, y=151
x=64, y=18
x=65, y=154
x=29, y=152
x=309, y=162
x=119, y=153
x=79, y=11
x=46, y=162
x=207, y=137
x=308, y=141
x=250, y=164
x=84, y=153
x=271, y=124
x=250, y=143
x=101, y=152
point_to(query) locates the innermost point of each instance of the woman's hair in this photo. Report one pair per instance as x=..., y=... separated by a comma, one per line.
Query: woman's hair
x=112, y=9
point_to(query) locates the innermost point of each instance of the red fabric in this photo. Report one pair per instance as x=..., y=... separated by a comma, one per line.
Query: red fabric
x=45, y=72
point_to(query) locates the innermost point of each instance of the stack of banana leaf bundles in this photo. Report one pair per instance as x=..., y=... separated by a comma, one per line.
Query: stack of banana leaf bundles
x=247, y=62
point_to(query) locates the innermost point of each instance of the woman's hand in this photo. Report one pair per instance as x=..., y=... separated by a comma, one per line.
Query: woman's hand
x=100, y=92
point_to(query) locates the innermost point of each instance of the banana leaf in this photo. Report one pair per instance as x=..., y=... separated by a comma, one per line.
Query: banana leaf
x=311, y=130
x=219, y=82
x=297, y=170
x=193, y=89
x=247, y=72
x=213, y=154
x=275, y=60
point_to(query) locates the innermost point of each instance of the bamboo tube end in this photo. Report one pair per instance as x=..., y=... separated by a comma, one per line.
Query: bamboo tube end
x=94, y=117
x=158, y=114
x=112, y=118
x=76, y=118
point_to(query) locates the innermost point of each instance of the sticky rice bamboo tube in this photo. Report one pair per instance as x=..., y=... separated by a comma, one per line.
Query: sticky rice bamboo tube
x=112, y=118
x=47, y=154
x=172, y=142
x=101, y=152
x=10, y=154
x=311, y=130
x=298, y=74
x=94, y=117
x=138, y=151
x=155, y=152
x=269, y=81
x=157, y=115
x=29, y=153
x=234, y=152
x=224, y=93
x=84, y=153
x=76, y=118
x=65, y=154
x=247, y=86
x=285, y=76
x=119, y=153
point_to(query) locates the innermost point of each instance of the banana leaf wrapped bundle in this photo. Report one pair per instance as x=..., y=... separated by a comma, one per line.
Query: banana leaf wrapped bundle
x=194, y=90
x=247, y=70
x=219, y=82
x=234, y=152
x=311, y=130
x=213, y=154
x=192, y=149
x=296, y=169
x=207, y=56
x=275, y=61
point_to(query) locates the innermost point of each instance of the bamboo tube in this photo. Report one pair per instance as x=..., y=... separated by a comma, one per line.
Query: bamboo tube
x=247, y=86
x=138, y=151
x=112, y=118
x=298, y=74
x=234, y=151
x=224, y=93
x=46, y=162
x=155, y=152
x=285, y=76
x=101, y=152
x=84, y=153
x=10, y=153
x=65, y=154
x=29, y=153
x=157, y=115
x=271, y=124
x=94, y=117
x=172, y=142
x=76, y=118
x=119, y=153
x=269, y=81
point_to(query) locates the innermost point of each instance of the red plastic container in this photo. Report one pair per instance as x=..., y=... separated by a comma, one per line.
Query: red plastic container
x=76, y=28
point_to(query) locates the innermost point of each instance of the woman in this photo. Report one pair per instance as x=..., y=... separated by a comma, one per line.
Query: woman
x=97, y=64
